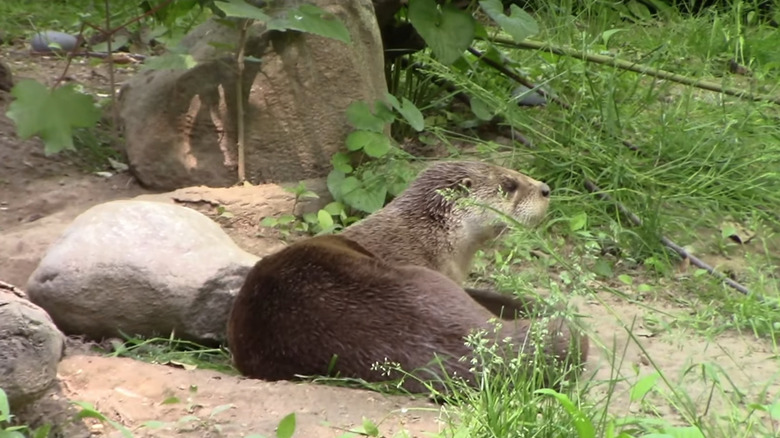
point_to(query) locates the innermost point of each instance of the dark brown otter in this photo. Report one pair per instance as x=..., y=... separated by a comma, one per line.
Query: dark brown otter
x=388, y=287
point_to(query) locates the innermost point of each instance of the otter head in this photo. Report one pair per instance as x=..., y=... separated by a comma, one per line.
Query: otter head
x=476, y=197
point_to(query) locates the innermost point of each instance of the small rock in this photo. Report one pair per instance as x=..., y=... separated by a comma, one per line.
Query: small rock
x=142, y=268
x=31, y=347
x=53, y=41
x=6, y=77
x=528, y=97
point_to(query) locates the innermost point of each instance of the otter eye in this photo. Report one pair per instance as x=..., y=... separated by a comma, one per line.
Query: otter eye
x=509, y=185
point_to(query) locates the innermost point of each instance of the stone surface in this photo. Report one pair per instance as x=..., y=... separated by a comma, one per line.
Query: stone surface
x=53, y=41
x=180, y=126
x=142, y=268
x=31, y=347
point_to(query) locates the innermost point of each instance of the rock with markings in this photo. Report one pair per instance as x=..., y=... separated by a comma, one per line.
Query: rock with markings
x=141, y=268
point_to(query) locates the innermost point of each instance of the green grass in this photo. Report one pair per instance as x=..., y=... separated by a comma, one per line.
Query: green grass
x=706, y=161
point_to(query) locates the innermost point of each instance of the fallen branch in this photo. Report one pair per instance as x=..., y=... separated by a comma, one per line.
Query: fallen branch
x=637, y=68
x=596, y=190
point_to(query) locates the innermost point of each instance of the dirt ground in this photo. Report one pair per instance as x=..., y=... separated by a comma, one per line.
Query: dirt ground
x=40, y=196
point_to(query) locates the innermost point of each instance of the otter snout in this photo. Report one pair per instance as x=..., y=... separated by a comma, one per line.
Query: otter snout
x=544, y=190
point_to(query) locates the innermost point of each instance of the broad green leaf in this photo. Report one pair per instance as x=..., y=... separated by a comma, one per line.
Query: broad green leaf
x=411, y=114
x=334, y=208
x=364, y=198
x=373, y=144
x=578, y=222
x=370, y=427
x=643, y=386
x=582, y=424
x=335, y=182
x=626, y=279
x=312, y=19
x=607, y=34
x=392, y=100
x=383, y=111
x=5, y=406
x=242, y=9
x=603, y=268
x=341, y=161
x=324, y=219
x=774, y=411
x=286, y=427
x=448, y=31
x=518, y=23
x=360, y=116
x=51, y=114
x=42, y=431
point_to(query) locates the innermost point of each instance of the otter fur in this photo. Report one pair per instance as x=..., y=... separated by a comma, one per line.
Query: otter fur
x=388, y=288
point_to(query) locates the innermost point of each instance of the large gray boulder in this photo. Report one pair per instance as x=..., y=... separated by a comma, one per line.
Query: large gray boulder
x=31, y=347
x=180, y=125
x=142, y=268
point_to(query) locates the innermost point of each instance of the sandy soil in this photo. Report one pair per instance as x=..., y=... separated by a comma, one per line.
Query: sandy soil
x=40, y=196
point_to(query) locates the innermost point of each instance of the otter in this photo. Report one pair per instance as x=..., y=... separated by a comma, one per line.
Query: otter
x=388, y=288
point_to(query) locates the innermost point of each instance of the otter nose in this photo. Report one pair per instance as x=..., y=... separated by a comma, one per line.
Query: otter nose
x=544, y=189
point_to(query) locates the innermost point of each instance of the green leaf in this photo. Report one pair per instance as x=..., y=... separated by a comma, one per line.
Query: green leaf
x=341, y=162
x=383, y=111
x=603, y=268
x=221, y=408
x=51, y=114
x=370, y=428
x=480, y=109
x=366, y=198
x=154, y=424
x=5, y=406
x=727, y=231
x=518, y=23
x=334, y=208
x=268, y=221
x=411, y=114
x=578, y=222
x=43, y=431
x=324, y=219
x=360, y=116
x=286, y=219
x=372, y=143
x=643, y=386
x=312, y=19
x=774, y=411
x=582, y=424
x=242, y=9
x=626, y=279
x=286, y=427
x=607, y=34
x=335, y=182
x=448, y=31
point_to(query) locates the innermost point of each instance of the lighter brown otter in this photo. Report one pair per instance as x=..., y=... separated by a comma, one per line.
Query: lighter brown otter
x=388, y=287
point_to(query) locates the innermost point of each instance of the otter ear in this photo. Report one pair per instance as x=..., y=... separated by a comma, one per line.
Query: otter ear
x=509, y=185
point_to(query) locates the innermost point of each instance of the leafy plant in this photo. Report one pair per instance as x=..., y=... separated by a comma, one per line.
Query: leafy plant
x=51, y=114
x=366, y=188
x=9, y=431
